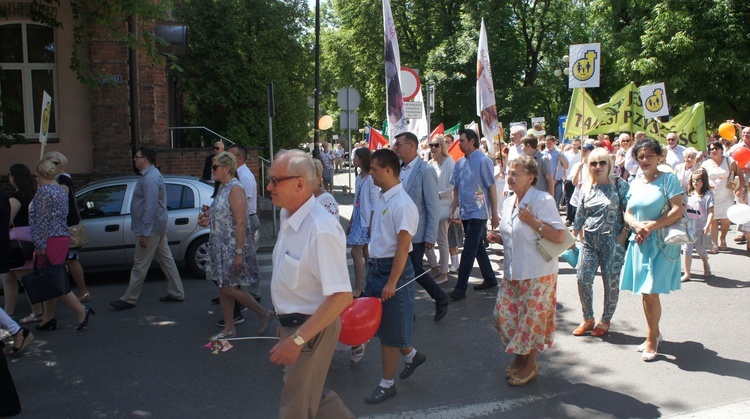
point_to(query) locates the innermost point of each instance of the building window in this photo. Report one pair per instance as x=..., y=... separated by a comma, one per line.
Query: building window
x=27, y=60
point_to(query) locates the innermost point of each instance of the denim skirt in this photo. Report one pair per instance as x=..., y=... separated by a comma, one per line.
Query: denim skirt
x=397, y=323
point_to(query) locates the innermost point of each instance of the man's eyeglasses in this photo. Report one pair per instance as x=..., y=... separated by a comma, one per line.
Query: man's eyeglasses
x=138, y=157
x=276, y=180
x=217, y=148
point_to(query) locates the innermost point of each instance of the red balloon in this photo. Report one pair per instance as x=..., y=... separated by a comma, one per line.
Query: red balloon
x=360, y=321
x=742, y=156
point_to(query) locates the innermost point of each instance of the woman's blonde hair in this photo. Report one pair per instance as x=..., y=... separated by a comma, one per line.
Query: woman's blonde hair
x=58, y=157
x=46, y=169
x=318, y=168
x=226, y=159
x=443, y=147
x=600, y=154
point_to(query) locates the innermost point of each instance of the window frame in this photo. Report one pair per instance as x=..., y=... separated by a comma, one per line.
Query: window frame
x=32, y=132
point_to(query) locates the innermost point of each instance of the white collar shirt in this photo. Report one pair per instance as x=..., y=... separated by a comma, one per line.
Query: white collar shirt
x=674, y=156
x=247, y=179
x=514, y=151
x=394, y=212
x=309, y=260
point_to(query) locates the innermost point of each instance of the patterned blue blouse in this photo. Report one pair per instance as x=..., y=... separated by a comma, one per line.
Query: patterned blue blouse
x=48, y=215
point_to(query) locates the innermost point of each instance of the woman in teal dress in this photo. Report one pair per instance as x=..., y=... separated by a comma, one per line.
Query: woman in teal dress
x=651, y=266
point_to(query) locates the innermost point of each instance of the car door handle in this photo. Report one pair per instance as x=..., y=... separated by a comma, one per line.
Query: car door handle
x=181, y=221
x=112, y=227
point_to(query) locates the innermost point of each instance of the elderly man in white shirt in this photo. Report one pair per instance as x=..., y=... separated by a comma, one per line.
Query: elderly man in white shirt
x=394, y=223
x=309, y=288
x=674, y=151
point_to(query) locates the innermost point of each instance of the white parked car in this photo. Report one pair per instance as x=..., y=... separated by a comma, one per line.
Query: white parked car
x=105, y=210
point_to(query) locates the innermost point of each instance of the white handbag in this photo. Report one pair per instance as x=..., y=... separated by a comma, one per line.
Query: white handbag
x=550, y=250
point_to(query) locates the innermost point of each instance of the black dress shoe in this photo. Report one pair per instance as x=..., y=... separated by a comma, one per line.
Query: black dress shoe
x=457, y=295
x=485, y=286
x=381, y=394
x=215, y=300
x=441, y=308
x=409, y=367
x=170, y=299
x=121, y=305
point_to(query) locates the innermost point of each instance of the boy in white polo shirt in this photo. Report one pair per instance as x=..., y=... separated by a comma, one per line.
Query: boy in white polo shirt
x=394, y=223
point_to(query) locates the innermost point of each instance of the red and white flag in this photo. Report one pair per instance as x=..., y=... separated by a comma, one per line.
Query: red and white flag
x=486, y=107
x=439, y=130
x=377, y=141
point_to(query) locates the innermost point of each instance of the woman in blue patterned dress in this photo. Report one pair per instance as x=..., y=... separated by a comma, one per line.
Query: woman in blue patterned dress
x=229, y=253
x=358, y=231
x=651, y=266
x=48, y=219
x=599, y=215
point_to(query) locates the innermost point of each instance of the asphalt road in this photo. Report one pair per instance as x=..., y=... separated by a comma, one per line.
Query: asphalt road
x=150, y=361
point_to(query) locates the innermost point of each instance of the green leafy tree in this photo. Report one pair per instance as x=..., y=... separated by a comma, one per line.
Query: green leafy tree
x=237, y=47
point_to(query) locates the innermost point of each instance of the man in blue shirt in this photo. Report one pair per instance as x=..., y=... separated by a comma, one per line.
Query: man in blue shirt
x=148, y=212
x=475, y=195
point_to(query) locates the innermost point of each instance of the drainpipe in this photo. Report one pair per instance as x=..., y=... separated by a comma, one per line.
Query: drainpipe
x=135, y=126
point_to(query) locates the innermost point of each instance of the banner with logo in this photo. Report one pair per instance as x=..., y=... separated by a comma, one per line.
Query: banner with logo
x=624, y=113
x=655, y=100
x=585, y=60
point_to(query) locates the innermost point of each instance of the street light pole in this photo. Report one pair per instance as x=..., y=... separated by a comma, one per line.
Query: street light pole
x=316, y=137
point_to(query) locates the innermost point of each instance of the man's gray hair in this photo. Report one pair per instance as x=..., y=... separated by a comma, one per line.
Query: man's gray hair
x=517, y=128
x=298, y=163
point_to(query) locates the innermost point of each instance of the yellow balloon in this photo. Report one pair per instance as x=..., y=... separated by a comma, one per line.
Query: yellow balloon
x=726, y=131
x=325, y=122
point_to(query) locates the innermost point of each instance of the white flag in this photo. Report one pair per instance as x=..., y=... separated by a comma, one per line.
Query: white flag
x=486, y=107
x=394, y=102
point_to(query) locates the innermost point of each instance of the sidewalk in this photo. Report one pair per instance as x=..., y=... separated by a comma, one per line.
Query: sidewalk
x=268, y=232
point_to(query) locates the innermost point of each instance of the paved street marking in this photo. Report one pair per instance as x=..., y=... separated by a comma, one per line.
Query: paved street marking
x=467, y=411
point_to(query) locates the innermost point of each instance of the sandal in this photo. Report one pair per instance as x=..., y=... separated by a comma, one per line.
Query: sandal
x=600, y=330
x=358, y=352
x=714, y=251
x=85, y=298
x=31, y=318
x=584, y=327
x=27, y=339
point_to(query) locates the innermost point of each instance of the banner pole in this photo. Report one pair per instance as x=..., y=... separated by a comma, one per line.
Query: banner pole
x=658, y=122
x=583, y=112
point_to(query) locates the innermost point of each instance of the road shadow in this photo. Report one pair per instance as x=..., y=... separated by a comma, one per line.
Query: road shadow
x=721, y=282
x=596, y=401
x=694, y=356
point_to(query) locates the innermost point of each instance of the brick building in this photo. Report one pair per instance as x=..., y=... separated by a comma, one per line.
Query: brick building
x=98, y=129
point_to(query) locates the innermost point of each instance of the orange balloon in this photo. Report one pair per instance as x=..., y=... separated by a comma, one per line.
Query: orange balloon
x=360, y=321
x=726, y=131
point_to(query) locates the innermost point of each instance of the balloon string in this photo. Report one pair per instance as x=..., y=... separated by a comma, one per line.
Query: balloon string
x=397, y=289
x=252, y=337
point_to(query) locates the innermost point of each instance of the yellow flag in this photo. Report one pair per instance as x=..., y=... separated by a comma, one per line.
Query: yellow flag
x=624, y=113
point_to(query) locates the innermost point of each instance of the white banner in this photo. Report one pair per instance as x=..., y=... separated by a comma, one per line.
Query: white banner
x=585, y=60
x=654, y=97
x=486, y=107
x=394, y=99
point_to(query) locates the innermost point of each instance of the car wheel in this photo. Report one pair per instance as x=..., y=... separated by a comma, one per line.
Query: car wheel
x=197, y=256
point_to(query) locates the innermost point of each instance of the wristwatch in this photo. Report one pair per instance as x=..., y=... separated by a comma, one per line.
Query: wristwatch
x=540, y=228
x=238, y=251
x=298, y=340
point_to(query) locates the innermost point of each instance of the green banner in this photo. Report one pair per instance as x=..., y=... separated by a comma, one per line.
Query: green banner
x=624, y=113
